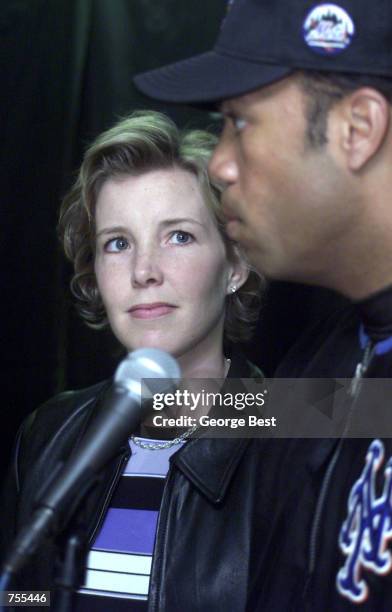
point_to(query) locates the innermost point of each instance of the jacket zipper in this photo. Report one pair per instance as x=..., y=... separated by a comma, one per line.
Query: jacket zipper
x=108, y=496
x=353, y=392
x=161, y=530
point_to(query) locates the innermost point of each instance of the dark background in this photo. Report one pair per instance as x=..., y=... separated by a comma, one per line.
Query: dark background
x=66, y=68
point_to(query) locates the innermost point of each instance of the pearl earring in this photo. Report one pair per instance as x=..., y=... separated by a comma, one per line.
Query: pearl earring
x=233, y=288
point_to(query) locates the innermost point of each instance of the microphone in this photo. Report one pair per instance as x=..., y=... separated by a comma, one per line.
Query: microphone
x=122, y=411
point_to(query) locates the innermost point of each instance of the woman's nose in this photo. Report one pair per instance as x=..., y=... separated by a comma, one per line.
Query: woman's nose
x=146, y=268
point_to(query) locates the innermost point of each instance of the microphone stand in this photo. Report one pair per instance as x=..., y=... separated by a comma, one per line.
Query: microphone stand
x=69, y=576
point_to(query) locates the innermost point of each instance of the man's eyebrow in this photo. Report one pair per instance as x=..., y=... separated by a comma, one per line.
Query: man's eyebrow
x=229, y=105
x=229, y=114
x=224, y=109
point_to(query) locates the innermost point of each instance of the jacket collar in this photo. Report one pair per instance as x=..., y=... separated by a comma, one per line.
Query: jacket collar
x=210, y=463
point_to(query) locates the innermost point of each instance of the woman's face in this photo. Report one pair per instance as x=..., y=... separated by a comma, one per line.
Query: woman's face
x=160, y=263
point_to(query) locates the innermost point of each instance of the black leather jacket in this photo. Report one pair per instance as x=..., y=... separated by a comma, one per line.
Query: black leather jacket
x=208, y=541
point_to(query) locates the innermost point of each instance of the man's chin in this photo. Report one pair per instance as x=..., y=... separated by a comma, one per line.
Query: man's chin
x=233, y=229
x=256, y=256
x=257, y=259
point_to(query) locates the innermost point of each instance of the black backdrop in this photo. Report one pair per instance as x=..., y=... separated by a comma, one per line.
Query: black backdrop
x=66, y=68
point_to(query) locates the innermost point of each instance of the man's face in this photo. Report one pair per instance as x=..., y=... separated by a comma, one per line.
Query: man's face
x=282, y=198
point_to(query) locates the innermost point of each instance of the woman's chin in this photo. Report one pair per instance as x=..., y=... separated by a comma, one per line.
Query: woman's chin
x=156, y=342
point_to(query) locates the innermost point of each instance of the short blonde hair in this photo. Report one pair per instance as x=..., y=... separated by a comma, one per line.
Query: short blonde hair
x=142, y=142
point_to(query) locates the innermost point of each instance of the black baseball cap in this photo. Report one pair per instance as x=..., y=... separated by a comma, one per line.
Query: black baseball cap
x=262, y=41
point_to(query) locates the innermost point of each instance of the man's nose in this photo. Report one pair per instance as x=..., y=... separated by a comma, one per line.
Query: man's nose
x=222, y=166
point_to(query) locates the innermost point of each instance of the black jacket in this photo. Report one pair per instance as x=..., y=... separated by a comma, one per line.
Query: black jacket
x=323, y=491
x=211, y=523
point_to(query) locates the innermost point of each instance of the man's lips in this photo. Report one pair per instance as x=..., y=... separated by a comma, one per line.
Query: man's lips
x=229, y=213
x=232, y=222
x=232, y=226
x=151, y=310
x=230, y=216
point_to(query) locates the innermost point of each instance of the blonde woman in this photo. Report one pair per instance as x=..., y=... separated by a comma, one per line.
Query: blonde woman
x=171, y=524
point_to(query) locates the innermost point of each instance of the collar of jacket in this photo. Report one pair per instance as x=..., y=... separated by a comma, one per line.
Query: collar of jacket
x=210, y=463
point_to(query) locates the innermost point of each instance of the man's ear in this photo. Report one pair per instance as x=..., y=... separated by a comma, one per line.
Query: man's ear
x=366, y=116
x=239, y=271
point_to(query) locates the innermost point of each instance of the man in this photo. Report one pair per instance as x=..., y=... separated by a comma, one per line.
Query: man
x=305, y=156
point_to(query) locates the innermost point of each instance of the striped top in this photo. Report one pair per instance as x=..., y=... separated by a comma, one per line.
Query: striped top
x=119, y=562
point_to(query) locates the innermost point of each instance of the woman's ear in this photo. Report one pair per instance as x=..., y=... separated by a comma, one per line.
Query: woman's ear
x=239, y=271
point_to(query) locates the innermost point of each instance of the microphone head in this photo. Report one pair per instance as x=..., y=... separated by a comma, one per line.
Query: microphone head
x=159, y=370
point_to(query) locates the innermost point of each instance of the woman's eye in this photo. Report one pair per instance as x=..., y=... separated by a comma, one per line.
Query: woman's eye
x=179, y=237
x=116, y=244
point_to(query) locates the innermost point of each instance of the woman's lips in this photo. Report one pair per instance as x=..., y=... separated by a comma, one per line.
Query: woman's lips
x=151, y=311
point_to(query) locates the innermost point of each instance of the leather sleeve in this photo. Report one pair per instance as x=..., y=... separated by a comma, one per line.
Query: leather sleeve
x=55, y=425
x=10, y=492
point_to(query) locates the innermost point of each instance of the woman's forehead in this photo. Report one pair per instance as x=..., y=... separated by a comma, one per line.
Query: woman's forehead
x=156, y=193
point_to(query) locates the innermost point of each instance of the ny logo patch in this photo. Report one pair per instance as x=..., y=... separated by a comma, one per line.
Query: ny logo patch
x=366, y=532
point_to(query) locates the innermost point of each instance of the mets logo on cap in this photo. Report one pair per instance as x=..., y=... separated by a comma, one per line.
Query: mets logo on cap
x=328, y=29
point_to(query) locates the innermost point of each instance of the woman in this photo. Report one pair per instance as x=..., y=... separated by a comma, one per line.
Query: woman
x=143, y=229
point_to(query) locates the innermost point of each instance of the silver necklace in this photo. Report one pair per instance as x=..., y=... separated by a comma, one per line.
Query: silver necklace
x=175, y=441
x=167, y=444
